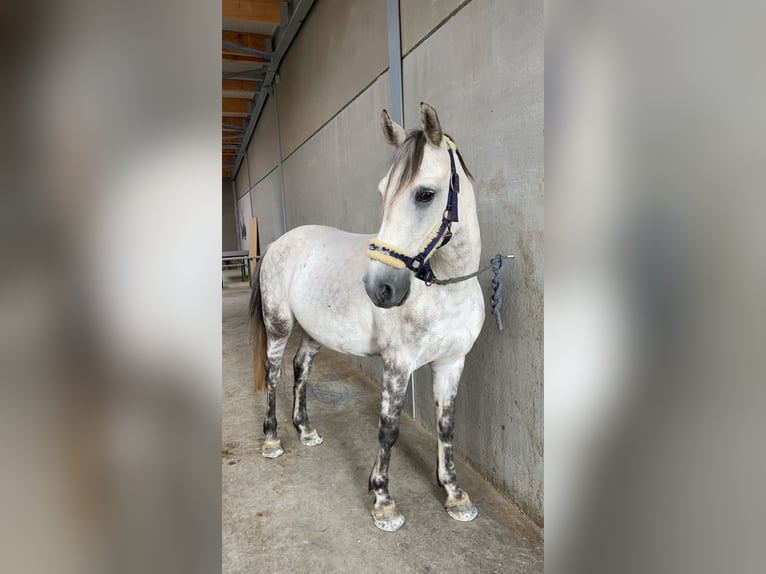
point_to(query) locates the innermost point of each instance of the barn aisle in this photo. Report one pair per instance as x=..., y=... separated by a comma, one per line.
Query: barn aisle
x=309, y=509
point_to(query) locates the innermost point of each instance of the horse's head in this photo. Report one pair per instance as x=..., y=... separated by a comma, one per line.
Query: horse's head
x=419, y=207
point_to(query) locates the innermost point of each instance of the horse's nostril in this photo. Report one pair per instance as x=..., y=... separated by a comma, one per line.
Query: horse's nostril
x=386, y=293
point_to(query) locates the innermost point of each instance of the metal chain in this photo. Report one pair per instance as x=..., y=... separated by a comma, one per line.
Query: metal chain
x=496, y=299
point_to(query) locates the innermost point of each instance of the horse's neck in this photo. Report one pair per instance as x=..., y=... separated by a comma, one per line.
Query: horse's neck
x=462, y=254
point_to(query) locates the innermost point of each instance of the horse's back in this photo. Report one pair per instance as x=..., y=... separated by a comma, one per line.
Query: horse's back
x=317, y=272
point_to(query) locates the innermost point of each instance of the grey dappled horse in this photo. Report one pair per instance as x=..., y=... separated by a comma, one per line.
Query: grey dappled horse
x=366, y=295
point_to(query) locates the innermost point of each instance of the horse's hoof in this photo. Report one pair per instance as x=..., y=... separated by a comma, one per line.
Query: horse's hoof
x=461, y=509
x=311, y=438
x=272, y=449
x=388, y=518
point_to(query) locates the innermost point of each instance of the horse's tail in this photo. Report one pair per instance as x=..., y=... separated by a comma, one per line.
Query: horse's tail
x=258, y=331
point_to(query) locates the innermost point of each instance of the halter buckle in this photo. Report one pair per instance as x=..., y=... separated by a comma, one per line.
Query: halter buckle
x=455, y=182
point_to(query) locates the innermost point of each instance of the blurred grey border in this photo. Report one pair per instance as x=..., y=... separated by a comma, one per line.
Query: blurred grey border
x=110, y=297
x=110, y=290
x=655, y=249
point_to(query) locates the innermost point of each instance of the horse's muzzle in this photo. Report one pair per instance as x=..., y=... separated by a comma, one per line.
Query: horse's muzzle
x=387, y=287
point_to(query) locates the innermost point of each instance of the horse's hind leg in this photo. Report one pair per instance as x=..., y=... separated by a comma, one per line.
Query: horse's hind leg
x=302, y=367
x=278, y=328
x=446, y=377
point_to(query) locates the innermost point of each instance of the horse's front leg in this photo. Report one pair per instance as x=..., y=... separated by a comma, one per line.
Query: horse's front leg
x=446, y=378
x=384, y=513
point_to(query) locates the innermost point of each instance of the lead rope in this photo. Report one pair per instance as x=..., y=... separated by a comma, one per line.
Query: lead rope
x=496, y=299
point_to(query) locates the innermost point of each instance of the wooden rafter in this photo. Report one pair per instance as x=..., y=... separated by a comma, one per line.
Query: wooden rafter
x=246, y=39
x=230, y=56
x=233, y=121
x=264, y=11
x=238, y=85
x=235, y=106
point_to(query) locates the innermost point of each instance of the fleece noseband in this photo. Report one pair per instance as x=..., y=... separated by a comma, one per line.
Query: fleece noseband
x=440, y=234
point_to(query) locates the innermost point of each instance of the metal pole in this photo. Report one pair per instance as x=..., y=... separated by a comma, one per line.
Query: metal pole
x=397, y=114
x=395, y=61
x=236, y=212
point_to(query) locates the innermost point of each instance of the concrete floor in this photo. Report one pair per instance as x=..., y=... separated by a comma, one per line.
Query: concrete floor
x=308, y=510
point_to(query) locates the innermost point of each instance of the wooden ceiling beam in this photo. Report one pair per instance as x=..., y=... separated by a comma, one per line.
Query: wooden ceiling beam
x=264, y=11
x=246, y=39
x=235, y=106
x=238, y=85
x=231, y=56
x=233, y=121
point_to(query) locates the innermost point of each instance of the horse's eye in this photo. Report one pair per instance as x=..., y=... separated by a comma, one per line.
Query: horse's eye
x=424, y=196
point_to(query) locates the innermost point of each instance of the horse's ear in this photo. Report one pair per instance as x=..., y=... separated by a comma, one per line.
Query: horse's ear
x=393, y=132
x=431, y=125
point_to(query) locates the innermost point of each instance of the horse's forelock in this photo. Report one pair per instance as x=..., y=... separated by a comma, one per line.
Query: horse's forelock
x=409, y=159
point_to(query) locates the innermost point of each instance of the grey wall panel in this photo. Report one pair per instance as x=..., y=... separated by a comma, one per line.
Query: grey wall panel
x=483, y=71
x=242, y=182
x=419, y=17
x=341, y=48
x=263, y=151
x=266, y=199
x=332, y=179
x=228, y=217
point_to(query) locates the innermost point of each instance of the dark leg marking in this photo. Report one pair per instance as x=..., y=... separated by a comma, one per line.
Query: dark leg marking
x=301, y=370
x=388, y=433
x=272, y=446
x=270, y=422
x=446, y=378
x=278, y=330
x=384, y=513
x=446, y=470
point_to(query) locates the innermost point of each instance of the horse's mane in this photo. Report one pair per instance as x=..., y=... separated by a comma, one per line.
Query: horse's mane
x=409, y=157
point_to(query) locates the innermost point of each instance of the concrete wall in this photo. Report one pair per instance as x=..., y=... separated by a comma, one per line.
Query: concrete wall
x=418, y=18
x=242, y=181
x=483, y=71
x=480, y=63
x=333, y=178
x=341, y=48
x=266, y=199
x=263, y=154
